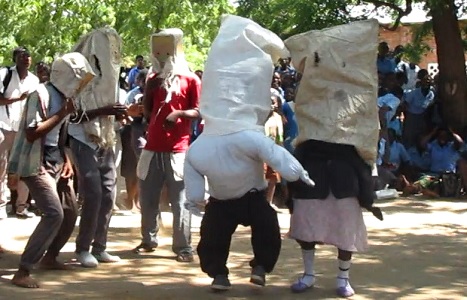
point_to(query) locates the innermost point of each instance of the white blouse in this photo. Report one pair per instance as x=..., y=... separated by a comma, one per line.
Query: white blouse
x=234, y=164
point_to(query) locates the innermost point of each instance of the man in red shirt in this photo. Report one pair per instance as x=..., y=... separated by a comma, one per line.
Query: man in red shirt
x=170, y=103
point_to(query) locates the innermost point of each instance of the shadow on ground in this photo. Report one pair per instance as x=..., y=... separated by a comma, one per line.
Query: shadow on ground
x=418, y=252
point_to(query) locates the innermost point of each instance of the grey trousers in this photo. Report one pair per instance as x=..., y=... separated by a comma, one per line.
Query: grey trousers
x=5, y=147
x=160, y=172
x=97, y=180
x=55, y=197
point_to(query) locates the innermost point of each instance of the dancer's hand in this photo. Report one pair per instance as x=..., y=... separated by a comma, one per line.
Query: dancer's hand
x=194, y=209
x=172, y=119
x=67, y=170
x=306, y=179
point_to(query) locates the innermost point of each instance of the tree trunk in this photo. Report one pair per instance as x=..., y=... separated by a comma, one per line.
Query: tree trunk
x=452, y=80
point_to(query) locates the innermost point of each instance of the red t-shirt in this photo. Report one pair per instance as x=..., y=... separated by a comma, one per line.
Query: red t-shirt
x=176, y=139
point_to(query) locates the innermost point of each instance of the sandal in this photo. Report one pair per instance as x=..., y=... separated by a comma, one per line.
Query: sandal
x=185, y=257
x=144, y=248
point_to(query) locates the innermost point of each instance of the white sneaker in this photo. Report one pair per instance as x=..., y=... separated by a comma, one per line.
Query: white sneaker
x=87, y=260
x=105, y=257
x=24, y=214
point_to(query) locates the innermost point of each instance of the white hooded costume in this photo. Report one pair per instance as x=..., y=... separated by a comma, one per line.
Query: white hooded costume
x=231, y=152
x=102, y=48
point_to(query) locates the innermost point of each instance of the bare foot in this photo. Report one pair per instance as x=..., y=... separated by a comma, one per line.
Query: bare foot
x=430, y=194
x=49, y=264
x=409, y=190
x=23, y=279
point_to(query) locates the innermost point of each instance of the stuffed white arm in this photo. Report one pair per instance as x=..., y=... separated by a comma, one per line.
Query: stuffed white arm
x=194, y=188
x=280, y=160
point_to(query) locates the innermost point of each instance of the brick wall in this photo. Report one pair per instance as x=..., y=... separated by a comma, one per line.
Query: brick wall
x=403, y=35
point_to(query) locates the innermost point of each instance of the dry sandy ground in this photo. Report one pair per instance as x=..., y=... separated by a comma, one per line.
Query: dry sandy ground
x=417, y=252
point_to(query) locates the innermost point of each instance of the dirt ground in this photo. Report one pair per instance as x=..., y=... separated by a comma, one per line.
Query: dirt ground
x=417, y=252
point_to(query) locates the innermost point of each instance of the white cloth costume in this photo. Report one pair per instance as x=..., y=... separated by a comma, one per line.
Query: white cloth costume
x=102, y=48
x=235, y=103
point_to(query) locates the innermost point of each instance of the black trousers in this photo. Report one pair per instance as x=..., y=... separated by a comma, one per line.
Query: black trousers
x=220, y=221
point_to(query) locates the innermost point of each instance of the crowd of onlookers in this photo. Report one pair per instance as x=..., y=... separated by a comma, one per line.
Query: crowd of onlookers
x=417, y=151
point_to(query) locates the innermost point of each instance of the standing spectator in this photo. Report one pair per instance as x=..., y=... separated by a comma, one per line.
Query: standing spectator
x=284, y=67
x=133, y=141
x=199, y=73
x=274, y=129
x=416, y=104
x=384, y=62
x=42, y=71
x=16, y=83
x=135, y=70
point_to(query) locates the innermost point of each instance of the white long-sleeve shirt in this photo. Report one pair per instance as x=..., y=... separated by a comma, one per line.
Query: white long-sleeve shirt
x=234, y=164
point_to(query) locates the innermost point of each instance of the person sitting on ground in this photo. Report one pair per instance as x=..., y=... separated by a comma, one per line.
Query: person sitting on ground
x=443, y=146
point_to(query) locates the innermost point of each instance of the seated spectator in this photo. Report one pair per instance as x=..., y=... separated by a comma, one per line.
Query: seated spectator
x=442, y=146
x=397, y=123
x=397, y=153
x=388, y=105
x=385, y=177
x=443, y=150
x=419, y=157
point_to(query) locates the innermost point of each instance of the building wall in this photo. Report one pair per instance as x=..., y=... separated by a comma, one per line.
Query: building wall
x=403, y=35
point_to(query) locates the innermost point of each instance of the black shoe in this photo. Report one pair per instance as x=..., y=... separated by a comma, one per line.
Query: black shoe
x=221, y=283
x=145, y=248
x=258, y=276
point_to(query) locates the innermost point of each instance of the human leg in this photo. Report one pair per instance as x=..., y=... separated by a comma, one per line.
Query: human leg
x=107, y=171
x=218, y=224
x=265, y=236
x=308, y=278
x=44, y=191
x=5, y=147
x=150, y=189
x=344, y=289
x=22, y=201
x=70, y=211
x=181, y=243
x=90, y=186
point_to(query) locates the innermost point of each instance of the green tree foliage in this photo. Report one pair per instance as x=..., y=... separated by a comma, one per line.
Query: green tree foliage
x=286, y=18
x=51, y=27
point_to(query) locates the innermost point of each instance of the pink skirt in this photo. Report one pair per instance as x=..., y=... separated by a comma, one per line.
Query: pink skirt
x=332, y=221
